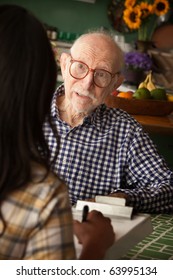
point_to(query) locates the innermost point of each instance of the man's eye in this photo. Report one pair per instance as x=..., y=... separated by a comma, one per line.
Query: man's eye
x=80, y=66
x=100, y=74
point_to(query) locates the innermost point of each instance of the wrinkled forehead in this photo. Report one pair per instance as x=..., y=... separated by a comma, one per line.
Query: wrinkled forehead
x=97, y=48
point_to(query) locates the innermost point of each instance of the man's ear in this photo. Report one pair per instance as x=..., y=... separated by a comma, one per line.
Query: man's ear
x=63, y=63
x=119, y=81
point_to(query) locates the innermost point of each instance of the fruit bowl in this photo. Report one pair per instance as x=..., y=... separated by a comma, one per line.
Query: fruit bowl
x=140, y=107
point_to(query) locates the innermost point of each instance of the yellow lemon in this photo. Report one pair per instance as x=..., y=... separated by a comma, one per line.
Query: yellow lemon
x=170, y=97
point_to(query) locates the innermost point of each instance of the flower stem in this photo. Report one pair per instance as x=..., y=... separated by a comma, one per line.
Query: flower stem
x=147, y=28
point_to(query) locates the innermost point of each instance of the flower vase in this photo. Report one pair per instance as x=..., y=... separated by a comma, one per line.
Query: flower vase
x=144, y=46
x=133, y=77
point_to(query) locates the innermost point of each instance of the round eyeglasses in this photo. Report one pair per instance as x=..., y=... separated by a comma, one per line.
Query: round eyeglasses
x=102, y=78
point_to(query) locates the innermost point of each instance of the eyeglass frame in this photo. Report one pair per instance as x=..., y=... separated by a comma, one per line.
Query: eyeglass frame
x=92, y=70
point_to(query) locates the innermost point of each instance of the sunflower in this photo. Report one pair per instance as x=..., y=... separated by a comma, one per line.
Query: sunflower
x=129, y=3
x=161, y=7
x=132, y=17
x=142, y=15
x=146, y=9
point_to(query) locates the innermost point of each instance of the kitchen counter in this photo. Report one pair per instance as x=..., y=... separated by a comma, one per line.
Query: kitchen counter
x=156, y=124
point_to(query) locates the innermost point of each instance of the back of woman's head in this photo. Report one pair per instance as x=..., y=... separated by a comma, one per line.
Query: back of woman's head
x=27, y=82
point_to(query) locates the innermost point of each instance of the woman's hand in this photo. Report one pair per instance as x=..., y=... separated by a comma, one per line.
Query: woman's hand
x=96, y=235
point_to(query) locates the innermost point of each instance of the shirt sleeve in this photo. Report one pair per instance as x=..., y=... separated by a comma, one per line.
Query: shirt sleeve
x=148, y=181
x=52, y=239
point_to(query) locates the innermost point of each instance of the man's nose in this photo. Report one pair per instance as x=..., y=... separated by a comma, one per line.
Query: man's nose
x=88, y=81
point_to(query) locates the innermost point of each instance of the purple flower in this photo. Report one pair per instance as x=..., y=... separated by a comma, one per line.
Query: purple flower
x=138, y=60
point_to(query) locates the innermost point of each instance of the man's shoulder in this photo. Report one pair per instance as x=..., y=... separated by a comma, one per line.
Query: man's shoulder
x=106, y=118
x=118, y=114
x=60, y=90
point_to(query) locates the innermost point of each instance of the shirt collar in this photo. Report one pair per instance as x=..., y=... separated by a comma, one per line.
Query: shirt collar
x=59, y=91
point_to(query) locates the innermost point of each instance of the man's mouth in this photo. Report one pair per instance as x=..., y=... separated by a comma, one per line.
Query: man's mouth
x=82, y=95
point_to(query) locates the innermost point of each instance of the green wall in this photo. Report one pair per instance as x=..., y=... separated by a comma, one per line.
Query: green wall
x=73, y=16
x=68, y=15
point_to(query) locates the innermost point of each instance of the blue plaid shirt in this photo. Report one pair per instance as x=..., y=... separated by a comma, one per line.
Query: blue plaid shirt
x=109, y=152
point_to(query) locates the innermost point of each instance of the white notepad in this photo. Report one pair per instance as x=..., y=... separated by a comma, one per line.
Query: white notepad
x=108, y=206
x=129, y=229
x=110, y=200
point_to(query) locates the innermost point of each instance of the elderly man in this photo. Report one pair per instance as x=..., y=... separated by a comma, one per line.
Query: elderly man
x=103, y=151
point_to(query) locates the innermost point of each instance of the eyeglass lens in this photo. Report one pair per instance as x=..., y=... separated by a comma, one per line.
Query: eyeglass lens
x=80, y=70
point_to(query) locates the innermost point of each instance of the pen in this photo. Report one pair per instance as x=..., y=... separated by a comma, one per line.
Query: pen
x=85, y=213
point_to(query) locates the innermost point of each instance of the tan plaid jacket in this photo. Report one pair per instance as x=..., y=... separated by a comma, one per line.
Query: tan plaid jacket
x=38, y=221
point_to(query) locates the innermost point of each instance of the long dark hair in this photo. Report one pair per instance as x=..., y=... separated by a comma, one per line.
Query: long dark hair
x=27, y=81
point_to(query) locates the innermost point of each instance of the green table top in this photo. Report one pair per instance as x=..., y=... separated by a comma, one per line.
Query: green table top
x=159, y=244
